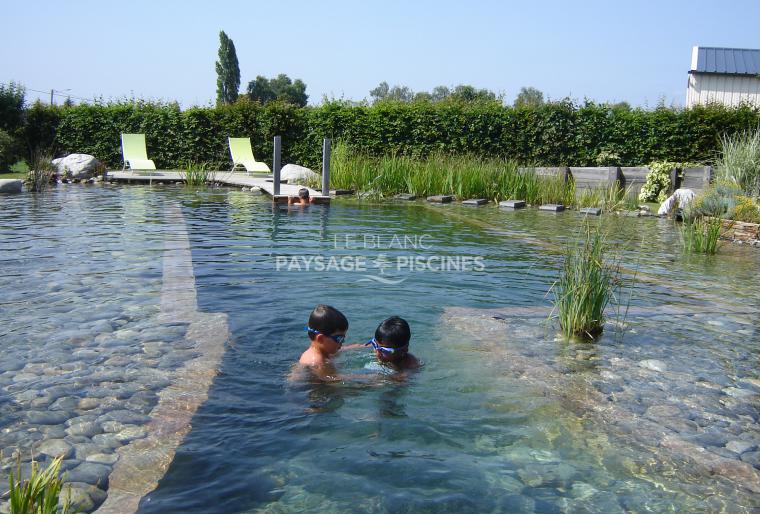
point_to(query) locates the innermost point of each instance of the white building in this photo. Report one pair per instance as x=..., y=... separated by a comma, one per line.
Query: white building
x=729, y=76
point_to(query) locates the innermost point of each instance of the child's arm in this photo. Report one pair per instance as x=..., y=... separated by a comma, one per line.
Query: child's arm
x=354, y=346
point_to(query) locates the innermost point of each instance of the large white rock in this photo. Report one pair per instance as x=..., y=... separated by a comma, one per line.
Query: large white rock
x=10, y=185
x=77, y=165
x=294, y=173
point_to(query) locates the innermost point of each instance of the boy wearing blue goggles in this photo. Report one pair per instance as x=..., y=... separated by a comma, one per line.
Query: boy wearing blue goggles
x=391, y=344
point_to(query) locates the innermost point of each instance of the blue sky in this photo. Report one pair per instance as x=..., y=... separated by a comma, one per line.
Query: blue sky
x=603, y=50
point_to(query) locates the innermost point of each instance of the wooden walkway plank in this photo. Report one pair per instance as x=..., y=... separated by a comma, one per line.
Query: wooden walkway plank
x=223, y=177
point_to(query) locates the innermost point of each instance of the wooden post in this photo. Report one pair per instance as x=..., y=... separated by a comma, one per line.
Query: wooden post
x=326, y=167
x=707, y=177
x=615, y=176
x=276, y=164
x=674, y=180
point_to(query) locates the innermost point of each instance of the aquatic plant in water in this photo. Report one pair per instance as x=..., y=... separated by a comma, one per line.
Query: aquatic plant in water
x=197, y=174
x=586, y=284
x=41, y=173
x=700, y=235
x=41, y=492
x=466, y=176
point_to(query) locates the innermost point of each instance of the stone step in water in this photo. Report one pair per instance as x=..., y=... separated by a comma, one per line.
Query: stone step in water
x=440, y=199
x=552, y=207
x=593, y=211
x=475, y=201
x=405, y=196
x=512, y=204
x=342, y=192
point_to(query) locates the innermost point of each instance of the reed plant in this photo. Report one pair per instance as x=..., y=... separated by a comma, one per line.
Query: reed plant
x=701, y=234
x=198, y=174
x=588, y=281
x=41, y=492
x=466, y=176
x=740, y=161
x=41, y=173
x=609, y=199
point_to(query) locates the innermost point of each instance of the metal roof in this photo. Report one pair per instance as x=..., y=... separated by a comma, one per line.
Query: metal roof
x=735, y=61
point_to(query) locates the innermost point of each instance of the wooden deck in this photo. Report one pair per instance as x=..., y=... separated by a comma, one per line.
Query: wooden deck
x=222, y=177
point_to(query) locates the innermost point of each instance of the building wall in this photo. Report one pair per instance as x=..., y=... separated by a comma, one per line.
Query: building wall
x=726, y=89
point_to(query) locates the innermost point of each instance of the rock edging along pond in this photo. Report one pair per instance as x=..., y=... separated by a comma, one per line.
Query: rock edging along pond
x=741, y=232
x=143, y=462
x=97, y=366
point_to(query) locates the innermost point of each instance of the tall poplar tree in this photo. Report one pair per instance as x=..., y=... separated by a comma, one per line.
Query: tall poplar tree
x=227, y=71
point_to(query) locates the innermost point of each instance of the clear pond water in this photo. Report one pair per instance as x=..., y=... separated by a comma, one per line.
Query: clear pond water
x=659, y=415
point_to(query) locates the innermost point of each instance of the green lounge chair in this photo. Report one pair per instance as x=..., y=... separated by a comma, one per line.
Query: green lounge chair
x=242, y=155
x=133, y=150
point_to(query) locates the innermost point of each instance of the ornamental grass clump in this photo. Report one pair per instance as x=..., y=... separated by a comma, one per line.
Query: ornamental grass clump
x=41, y=173
x=701, y=235
x=41, y=492
x=197, y=174
x=587, y=283
x=740, y=161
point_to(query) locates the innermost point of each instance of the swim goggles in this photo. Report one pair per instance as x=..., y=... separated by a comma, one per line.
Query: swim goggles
x=373, y=342
x=337, y=339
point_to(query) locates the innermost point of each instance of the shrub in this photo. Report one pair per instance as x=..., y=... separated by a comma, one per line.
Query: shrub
x=719, y=200
x=586, y=284
x=608, y=158
x=554, y=133
x=746, y=210
x=740, y=161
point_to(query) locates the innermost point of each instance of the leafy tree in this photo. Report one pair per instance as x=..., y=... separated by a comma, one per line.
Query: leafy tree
x=467, y=93
x=401, y=94
x=11, y=106
x=280, y=88
x=396, y=93
x=227, y=71
x=440, y=93
x=529, y=97
x=260, y=89
x=380, y=92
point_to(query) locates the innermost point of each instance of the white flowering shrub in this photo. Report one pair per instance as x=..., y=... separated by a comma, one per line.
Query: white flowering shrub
x=658, y=180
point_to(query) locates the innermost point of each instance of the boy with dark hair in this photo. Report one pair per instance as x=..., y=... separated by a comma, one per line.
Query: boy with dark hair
x=327, y=330
x=391, y=344
x=301, y=199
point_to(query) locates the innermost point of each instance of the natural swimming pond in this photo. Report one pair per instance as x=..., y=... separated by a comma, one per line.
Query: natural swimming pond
x=504, y=416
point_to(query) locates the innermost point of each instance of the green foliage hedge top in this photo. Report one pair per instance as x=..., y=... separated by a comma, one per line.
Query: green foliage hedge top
x=552, y=134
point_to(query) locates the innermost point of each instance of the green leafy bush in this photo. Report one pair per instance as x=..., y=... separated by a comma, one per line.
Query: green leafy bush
x=658, y=181
x=553, y=133
x=719, y=200
x=746, y=210
x=608, y=158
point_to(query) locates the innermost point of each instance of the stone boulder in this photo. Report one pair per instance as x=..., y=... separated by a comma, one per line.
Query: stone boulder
x=296, y=174
x=10, y=185
x=77, y=165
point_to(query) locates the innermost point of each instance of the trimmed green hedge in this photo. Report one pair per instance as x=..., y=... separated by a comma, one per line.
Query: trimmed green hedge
x=553, y=134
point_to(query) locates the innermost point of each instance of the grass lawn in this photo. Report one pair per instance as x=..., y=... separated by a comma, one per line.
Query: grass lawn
x=4, y=176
